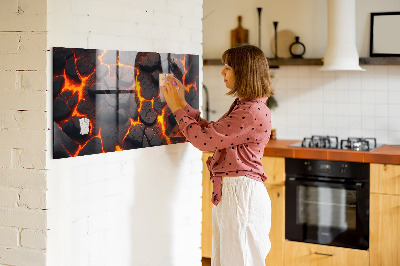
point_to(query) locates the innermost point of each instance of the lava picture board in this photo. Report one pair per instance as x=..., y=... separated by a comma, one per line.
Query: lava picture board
x=109, y=100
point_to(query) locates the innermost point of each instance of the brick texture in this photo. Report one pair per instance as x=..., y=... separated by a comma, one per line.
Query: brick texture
x=23, y=132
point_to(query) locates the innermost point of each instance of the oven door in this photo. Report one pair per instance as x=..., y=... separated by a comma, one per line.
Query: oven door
x=327, y=213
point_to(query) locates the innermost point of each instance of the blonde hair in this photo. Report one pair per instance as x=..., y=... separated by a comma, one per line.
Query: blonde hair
x=250, y=66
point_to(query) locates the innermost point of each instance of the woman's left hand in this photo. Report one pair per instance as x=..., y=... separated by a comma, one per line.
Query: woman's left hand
x=174, y=94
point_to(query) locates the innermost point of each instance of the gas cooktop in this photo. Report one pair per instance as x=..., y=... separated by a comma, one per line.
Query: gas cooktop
x=332, y=142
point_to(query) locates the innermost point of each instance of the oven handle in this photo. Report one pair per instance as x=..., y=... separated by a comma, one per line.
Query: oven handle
x=357, y=185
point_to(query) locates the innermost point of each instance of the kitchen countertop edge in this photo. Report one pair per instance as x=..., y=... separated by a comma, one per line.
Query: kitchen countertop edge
x=386, y=154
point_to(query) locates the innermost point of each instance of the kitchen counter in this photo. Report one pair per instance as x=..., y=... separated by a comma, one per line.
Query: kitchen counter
x=389, y=154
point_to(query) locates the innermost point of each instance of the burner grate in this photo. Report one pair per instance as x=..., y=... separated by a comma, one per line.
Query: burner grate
x=358, y=144
x=327, y=142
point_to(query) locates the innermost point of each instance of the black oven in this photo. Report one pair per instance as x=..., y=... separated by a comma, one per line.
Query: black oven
x=327, y=202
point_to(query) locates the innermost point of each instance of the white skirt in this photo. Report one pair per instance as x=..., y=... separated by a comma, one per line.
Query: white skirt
x=241, y=223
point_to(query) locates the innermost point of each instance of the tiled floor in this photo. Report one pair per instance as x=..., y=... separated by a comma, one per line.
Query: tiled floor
x=206, y=261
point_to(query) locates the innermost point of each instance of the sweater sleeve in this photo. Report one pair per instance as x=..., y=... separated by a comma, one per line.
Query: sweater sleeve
x=234, y=129
x=193, y=113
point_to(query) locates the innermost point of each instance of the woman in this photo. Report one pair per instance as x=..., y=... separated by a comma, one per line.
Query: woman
x=242, y=207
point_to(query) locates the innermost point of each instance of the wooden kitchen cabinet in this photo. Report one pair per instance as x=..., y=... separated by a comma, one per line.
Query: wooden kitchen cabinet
x=277, y=233
x=206, y=225
x=385, y=178
x=305, y=254
x=384, y=237
x=274, y=168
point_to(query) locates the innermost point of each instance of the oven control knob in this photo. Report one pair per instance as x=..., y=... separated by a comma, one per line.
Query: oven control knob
x=343, y=168
x=308, y=166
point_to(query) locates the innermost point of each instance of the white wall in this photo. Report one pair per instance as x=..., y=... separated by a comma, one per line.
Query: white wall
x=23, y=132
x=311, y=102
x=135, y=207
x=304, y=18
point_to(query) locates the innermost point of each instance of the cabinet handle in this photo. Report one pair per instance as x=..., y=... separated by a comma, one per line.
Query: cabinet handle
x=324, y=254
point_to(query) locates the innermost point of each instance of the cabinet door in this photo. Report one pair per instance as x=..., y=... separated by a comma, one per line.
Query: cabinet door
x=274, y=168
x=206, y=232
x=385, y=178
x=384, y=236
x=277, y=233
x=304, y=254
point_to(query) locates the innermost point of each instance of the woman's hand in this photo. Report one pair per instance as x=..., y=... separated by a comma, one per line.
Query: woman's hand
x=174, y=93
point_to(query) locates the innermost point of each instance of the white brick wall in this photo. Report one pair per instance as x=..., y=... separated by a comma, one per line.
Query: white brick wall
x=136, y=207
x=100, y=205
x=23, y=132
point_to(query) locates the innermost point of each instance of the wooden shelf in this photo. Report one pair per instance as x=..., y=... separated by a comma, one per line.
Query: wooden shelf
x=274, y=63
x=380, y=61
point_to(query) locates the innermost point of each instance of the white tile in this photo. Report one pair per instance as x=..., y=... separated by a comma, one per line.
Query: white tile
x=367, y=96
x=367, y=83
x=329, y=94
x=354, y=83
x=394, y=123
x=381, y=84
x=279, y=72
x=367, y=133
x=329, y=121
x=342, y=81
x=317, y=131
x=342, y=122
x=317, y=120
x=278, y=83
x=328, y=74
x=342, y=109
x=317, y=95
x=329, y=109
x=369, y=70
x=394, y=83
x=329, y=83
x=292, y=82
x=381, y=97
x=355, y=132
x=394, y=97
x=381, y=123
x=382, y=110
x=368, y=110
x=394, y=137
x=304, y=109
x=380, y=71
x=291, y=71
x=355, y=122
x=303, y=82
x=394, y=70
x=382, y=136
x=304, y=72
x=355, y=96
x=331, y=131
x=316, y=82
x=342, y=133
x=293, y=120
x=316, y=72
x=394, y=110
x=317, y=107
x=355, y=109
x=367, y=122
x=342, y=96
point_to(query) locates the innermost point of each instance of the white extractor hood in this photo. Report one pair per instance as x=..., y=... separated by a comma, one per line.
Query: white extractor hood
x=341, y=51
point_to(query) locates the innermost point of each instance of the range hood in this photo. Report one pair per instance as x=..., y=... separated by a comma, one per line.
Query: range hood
x=341, y=51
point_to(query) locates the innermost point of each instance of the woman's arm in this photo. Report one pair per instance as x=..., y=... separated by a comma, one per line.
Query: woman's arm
x=174, y=93
x=239, y=127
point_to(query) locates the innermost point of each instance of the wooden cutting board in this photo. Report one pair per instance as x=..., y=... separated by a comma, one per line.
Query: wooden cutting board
x=239, y=35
